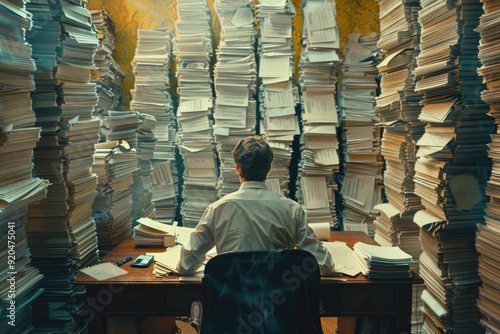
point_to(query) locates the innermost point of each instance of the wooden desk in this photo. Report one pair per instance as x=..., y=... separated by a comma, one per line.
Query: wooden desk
x=140, y=293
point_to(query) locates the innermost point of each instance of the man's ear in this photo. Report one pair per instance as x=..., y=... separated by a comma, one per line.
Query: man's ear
x=269, y=170
x=237, y=168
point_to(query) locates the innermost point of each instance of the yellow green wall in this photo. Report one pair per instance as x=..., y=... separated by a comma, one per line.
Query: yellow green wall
x=353, y=16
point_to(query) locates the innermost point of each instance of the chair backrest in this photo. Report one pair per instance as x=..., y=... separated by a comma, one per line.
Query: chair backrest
x=261, y=292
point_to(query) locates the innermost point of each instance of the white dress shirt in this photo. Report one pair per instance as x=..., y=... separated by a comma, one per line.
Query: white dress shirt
x=252, y=218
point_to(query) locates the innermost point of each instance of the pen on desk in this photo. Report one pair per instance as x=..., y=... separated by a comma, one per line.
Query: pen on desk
x=119, y=263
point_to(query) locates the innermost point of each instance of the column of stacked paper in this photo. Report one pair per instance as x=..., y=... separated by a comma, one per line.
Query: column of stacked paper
x=235, y=78
x=398, y=106
x=319, y=161
x=19, y=280
x=115, y=163
x=277, y=93
x=489, y=233
x=152, y=95
x=193, y=51
x=361, y=173
x=452, y=166
x=61, y=231
x=107, y=76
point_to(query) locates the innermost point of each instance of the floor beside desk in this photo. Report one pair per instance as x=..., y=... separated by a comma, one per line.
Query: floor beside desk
x=329, y=326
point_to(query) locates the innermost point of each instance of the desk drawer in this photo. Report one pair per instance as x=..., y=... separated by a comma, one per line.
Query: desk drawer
x=135, y=299
x=369, y=300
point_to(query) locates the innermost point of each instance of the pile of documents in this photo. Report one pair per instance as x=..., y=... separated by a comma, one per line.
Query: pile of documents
x=152, y=95
x=61, y=230
x=107, y=76
x=277, y=93
x=142, y=189
x=193, y=49
x=452, y=165
x=152, y=233
x=394, y=228
x=398, y=106
x=115, y=164
x=382, y=262
x=319, y=159
x=361, y=177
x=488, y=235
x=17, y=190
x=235, y=78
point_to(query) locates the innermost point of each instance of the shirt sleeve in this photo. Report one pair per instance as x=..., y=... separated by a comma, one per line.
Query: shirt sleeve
x=200, y=242
x=306, y=240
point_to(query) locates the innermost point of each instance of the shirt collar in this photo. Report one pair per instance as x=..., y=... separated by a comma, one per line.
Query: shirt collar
x=253, y=185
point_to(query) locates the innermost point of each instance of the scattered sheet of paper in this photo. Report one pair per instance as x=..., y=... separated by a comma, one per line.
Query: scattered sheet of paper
x=342, y=257
x=104, y=270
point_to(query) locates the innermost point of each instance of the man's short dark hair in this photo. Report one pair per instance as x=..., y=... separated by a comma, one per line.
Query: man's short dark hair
x=254, y=155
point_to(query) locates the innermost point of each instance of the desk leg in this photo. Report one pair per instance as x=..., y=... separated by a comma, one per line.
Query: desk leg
x=346, y=325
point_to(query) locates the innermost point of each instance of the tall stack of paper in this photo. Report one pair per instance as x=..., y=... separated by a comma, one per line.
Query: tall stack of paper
x=448, y=290
x=488, y=235
x=61, y=231
x=19, y=280
x=361, y=172
x=19, y=285
x=152, y=95
x=193, y=51
x=115, y=164
x=398, y=106
x=235, y=78
x=277, y=93
x=107, y=76
x=319, y=159
x=142, y=189
x=452, y=166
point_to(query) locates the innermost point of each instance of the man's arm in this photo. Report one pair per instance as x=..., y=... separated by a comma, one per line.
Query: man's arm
x=200, y=242
x=306, y=239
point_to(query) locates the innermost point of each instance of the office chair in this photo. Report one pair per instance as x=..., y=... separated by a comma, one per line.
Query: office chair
x=260, y=292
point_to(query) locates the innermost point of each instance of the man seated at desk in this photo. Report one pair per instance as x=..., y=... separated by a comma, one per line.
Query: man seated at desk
x=254, y=217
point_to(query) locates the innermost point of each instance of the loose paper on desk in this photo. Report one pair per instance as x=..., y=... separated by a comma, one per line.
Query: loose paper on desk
x=343, y=258
x=104, y=270
x=170, y=258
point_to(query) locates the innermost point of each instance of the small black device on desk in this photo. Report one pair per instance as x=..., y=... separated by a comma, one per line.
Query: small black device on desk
x=143, y=261
x=119, y=263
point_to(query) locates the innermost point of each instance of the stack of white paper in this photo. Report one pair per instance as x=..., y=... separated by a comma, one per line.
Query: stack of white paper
x=108, y=76
x=361, y=176
x=235, y=78
x=61, y=231
x=115, y=164
x=398, y=106
x=192, y=47
x=319, y=158
x=488, y=235
x=277, y=95
x=151, y=94
x=452, y=165
x=382, y=262
x=152, y=233
x=17, y=190
x=16, y=64
x=394, y=228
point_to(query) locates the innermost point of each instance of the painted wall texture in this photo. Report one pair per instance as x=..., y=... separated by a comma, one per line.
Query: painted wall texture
x=353, y=16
